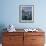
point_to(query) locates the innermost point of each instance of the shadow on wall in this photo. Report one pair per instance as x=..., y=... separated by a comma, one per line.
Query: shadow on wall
x=2, y=26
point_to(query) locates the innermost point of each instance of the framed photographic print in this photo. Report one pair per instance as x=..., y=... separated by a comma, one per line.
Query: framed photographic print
x=26, y=13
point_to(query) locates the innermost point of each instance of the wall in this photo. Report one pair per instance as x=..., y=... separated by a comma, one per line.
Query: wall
x=10, y=13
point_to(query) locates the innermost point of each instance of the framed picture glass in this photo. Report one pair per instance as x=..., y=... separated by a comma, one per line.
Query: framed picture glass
x=26, y=13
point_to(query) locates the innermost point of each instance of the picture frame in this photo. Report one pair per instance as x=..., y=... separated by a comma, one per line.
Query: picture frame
x=26, y=13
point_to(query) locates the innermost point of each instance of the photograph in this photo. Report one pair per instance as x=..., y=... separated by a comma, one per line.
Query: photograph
x=26, y=13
